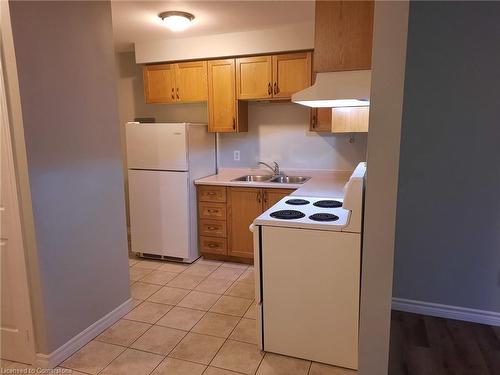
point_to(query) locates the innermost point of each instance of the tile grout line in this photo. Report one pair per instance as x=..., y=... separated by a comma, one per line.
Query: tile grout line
x=309, y=369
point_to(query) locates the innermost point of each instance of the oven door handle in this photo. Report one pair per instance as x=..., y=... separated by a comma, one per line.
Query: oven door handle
x=252, y=228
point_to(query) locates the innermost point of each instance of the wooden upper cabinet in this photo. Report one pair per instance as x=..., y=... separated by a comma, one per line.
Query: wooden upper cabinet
x=272, y=76
x=224, y=82
x=179, y=83
x=159, y=83
x=343, y=35
x=291, y=73
x=225, y=114
x=244, y=205
x=350, y=120
x=191, y=81
x=254, y=77
x=340, y=120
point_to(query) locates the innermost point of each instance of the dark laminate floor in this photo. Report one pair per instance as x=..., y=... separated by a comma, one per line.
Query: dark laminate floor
x=423, y=344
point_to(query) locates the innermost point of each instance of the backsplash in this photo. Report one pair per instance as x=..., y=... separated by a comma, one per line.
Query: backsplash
x=280, y=131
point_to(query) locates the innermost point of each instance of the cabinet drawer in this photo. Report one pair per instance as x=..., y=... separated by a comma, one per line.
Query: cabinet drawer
x=212, y=193
x=215, y=211
x=213, y=245
x=213, y=228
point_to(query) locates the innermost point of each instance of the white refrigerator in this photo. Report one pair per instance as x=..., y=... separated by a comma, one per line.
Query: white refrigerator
x=163, y=160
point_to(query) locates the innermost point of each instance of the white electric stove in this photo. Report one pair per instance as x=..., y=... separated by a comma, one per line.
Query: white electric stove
x=307, y=257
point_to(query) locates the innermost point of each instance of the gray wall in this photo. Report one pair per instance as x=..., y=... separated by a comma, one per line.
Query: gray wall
x=66, y=70
x=277, y=131
x=448, y=216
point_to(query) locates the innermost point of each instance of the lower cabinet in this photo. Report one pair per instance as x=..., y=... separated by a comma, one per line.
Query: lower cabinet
x=244, y=205
x=273, y=196
x=224, y=217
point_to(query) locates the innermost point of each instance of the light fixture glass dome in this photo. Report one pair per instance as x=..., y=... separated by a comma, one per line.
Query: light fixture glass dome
x=176, y=21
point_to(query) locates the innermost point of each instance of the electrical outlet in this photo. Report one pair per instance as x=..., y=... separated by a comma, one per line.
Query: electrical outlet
x=236, y=155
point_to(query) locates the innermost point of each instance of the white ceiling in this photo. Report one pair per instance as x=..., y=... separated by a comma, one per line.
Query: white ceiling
x=137, y=21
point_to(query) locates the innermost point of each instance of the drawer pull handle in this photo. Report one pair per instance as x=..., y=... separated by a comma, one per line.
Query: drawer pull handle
x=212, y=211
x=212, y=245
x=212, y=228
x=211, y=193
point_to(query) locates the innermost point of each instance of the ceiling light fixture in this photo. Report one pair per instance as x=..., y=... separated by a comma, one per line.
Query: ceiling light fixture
x=176, y=21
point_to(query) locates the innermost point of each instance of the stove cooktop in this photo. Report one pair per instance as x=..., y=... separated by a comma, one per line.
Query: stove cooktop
x=306, y=212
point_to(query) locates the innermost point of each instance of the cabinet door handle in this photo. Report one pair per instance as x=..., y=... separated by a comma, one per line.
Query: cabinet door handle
x=178, y=93
x=269, y=89
x=265, y=197
x=234, y=123
x=275, y=88
x=314, y=122
x=259, y=198
x=173, y=97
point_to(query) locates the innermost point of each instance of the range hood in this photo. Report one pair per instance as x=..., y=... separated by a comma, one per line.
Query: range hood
x=337, y=89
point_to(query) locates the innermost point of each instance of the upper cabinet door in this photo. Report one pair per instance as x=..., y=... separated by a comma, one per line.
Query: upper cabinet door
x=221, y=96
x=343, y=35
x=254, y=77
x=159, y=83
x=291, y=73
x=321, y=120
x=191, y=81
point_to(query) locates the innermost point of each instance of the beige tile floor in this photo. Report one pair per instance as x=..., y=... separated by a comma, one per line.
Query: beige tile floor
x=187, y=320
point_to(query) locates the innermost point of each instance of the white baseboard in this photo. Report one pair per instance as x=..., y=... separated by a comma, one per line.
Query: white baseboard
x=446, y=311
x=60, y=354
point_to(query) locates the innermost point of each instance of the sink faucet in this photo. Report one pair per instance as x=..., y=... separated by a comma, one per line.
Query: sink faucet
x=276, y=169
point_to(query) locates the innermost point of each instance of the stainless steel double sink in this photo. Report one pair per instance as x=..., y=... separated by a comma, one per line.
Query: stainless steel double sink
x=279, y=179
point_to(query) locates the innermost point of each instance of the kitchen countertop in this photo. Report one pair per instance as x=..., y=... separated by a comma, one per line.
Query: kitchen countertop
x=323, y=183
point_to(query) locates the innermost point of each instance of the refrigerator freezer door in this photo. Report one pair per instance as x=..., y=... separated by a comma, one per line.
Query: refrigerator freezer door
x=159, y=212
x=157, y=146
